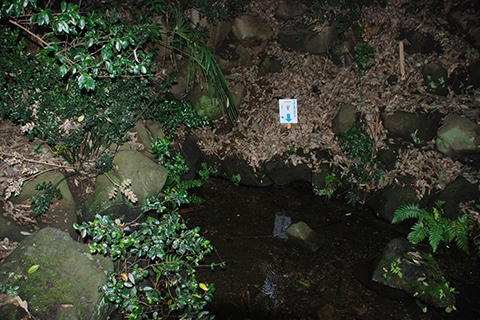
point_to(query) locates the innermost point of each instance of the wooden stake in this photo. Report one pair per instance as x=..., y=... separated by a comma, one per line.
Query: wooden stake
x=402, y=61
x=289, y=126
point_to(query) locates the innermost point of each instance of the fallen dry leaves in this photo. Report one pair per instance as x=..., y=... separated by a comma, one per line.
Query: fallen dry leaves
x=258, y=136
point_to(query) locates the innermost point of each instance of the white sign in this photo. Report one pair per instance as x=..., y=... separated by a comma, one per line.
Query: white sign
x=288, y=110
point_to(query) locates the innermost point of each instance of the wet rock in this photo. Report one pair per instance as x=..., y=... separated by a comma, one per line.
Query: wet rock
x=346, y=119
x=460, y=20
x=284, y=173
x=459, y=80
x=191, y=153
x=269, y=65
x=65, y=285
x=147, y=179
x=288, y=10
x=386, y=201
x=301, y=234
x=11, y=229
x=418, y=42
x=412, y=127
x=319, y=177
x=233, y=54
x=459, y=137
x=342, y=55
x=405, y=267
x=234, y=168
x=312, y=43
x=388, y=156
x=180, y=89
x=62, y=213
x=218, y=33
x=155, y=129
x=436, y=79
x=251, y=30
x=363, y=273
x=458, y=191
x=474, y=74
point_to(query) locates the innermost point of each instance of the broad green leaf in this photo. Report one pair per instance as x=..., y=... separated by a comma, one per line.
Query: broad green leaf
x=90, y=85
x=109, y=66
x=82, y=80
x=106, y=52
x=63, y=6
x=33, y=268
x=63, y=70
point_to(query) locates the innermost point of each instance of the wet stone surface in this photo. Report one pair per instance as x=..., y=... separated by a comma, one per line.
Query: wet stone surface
x=268, y=277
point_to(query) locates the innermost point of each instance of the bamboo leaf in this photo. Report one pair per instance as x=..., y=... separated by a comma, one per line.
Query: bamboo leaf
x=33, y=268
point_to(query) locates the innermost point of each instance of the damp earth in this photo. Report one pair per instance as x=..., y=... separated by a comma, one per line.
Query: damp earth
x=268, y=277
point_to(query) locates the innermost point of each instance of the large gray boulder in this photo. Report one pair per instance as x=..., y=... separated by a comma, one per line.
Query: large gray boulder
x=65, y=285
x=250, y=30
x=315, y=43
x=147, y=177
x=411, y=127
x=458, y=137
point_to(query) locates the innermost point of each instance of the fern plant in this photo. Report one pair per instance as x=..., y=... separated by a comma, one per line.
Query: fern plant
x=431, y=224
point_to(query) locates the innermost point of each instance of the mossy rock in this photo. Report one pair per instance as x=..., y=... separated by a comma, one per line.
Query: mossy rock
x=204, y=103
x=147, y=179
x=62, y=212
x=458, y=137
x=65, y=285
x=406, y=268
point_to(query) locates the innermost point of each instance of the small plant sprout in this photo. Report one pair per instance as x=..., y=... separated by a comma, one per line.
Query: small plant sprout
x=236, y=178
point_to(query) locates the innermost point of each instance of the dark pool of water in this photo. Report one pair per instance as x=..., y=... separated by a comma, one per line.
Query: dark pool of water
x=270, y=278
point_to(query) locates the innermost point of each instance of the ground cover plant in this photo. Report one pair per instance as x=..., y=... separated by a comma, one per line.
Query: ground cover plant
x=155, y=276
x=80, y=81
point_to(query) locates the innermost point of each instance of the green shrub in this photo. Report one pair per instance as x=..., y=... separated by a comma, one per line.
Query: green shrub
x=80, y=81
x=365, y=169
x=157, y=270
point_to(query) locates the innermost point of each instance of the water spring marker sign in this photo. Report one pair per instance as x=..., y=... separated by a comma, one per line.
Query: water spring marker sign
x=288, y=111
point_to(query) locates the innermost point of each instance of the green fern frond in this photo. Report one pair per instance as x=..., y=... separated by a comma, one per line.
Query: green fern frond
x=462, y=242
x=436, y=235
x=418, y=233
x=408, y=211
x=188, y=184
x=195, y=200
